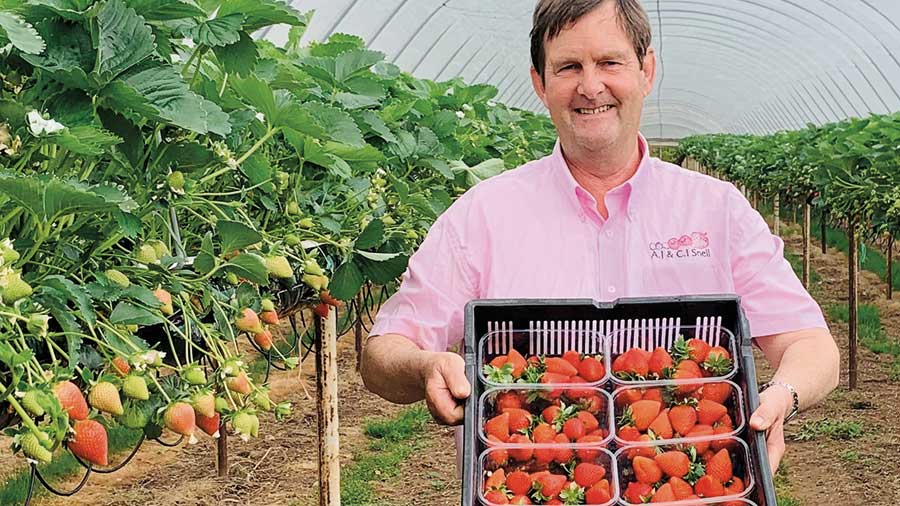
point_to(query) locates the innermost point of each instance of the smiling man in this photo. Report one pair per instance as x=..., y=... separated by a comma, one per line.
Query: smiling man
x=598, y=218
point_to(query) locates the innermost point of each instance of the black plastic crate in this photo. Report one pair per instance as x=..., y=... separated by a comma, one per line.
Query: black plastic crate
x=704, y=313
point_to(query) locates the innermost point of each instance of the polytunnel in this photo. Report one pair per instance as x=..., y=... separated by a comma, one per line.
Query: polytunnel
x=739, y=66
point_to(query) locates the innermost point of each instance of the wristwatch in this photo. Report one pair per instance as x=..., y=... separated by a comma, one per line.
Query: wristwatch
x=795, y=406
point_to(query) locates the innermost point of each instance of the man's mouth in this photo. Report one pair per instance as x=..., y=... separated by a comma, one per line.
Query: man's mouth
x=596, y=110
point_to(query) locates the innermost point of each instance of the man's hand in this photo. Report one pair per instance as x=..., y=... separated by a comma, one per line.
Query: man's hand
x=444, y=377
x=774, y=404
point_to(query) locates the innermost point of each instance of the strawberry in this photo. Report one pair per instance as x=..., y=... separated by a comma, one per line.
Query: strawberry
x=683, y=418
x=578, y=394
x=588, y=420
x=121, y=366
x=718, y=361
x=520, y=499
x=697, y=350
x=661, y=426
x=146, y=255
x=629, y=433
x=642, y=451
x=562, y=455
x=248, y=321
x=573, y=428
x=267, y=305
x=176, y=181
x=134, y=416
x=653, y=394
x=680, y=488
x=548, y=486
x=498, y=427
x=246, y=425
x=71, y=400
x=637, y=492
x=709, y=412
x=633, y=364
x=117, y=278
x=661, y=363
x=572, y=357
x=135, y=387
x=687, y=370
x=496, y=497
x=278, y=266
x=551, y=413
x=194, y=375
x=33, y=402
x=735, y=487
x=204, y=403
x=322, y=310
x=709, y=486
x=498, y=457
x=559, y=366
x=593, y=403
x=716, y=392
x=674, y=463
x=591, y=369
x=329, y=299
x=518, y=482
x=269, y=317
x=523, y=454
x=543, y=433
x=239, y=384
x=586, y=455
x=33, y=449
x=720, y=466
x=159, y=248
x=496, y=480
x=599, y=493
x=628, y=397
x=164, y=298
x=518, y=362
x=506, y=400
x=317, y=282
x=718, y=444
x=700, y=431
x=643, y=413
x=89, y=442
x=663, y=494
x=519, y=419
x=179, y=418
x=263, y=340
x=646, y=470
x=15, y=288
x=587, y=474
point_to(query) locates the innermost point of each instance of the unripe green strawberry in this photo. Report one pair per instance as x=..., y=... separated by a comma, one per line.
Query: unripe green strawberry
x=33, y=402
x=10, y=256
x=248, y=321
x=164, y=298
x=118, y=278
x=279, y=267
x=306, y=223
x=159, y=248
x=261, y=400
x=246, y=425
x=292, y=240
x=194, y=375
x=204, y=403
x=317, y=282
x=136, y=388
x=232, y=278
x=267, y=305
x=387, y=220
x=179, y=418
x=134, y=417
x=105, y=397
x=34, y=450
x=176, y=181
x=232, y=367
x=221, y=405
x=283, y=178
x=293, y=208
x=38, y=324
x=15, y=288
x=310, y=266
x=146, y=255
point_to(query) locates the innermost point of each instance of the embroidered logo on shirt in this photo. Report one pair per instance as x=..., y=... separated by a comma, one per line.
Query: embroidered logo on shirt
x=684, y=246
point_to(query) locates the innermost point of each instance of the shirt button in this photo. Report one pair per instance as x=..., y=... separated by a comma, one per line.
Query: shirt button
x=609, y=233
x=611, y=289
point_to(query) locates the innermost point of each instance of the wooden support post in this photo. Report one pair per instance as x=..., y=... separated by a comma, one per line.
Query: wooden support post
x=807, y=218
x=327, y=409
x=824, y=227
x=222, y=451
x=890, y=267
x=853, y=301
x=777, y=212
x=357, y=331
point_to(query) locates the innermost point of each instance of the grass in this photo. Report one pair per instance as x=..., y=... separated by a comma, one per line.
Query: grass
x=782, y=483
x=15, y=489
x=392, y=441
x=871, y=333
x=841, y=430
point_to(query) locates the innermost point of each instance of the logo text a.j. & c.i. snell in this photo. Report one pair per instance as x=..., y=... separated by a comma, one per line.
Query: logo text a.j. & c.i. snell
x=685, y=246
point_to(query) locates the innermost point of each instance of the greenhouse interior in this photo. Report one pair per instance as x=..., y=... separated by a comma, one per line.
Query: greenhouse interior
x=449, y=252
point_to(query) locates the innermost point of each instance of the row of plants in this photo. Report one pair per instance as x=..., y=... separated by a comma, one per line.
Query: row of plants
x=169, y=184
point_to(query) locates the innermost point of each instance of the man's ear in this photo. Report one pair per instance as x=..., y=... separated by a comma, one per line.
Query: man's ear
x=538, y=83
x=649, y=70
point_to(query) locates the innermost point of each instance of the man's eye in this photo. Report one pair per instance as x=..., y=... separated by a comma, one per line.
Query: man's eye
x=567, y=67
x=609, y=63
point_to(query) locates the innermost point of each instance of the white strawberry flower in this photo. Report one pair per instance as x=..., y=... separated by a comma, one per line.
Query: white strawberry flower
x=40, y=126
x=231, y=163
x=187, y=41
x=449, y=91
x=460, y=114
x=491, y=103
x=261, y=117
x=467, y=107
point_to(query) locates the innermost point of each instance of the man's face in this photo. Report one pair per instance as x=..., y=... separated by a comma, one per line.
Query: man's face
x=593, y=85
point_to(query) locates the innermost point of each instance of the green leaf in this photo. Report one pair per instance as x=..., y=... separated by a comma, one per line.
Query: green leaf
x=240, y=57
x=161, y=93
x=142, y=295
x=234, y=235
x=69, y=54
x=128, y=314
x=338, y=125
x=223, y=322
x=346, y=281
x=383, y=271
x=260, y=13
x=257, y=94
x=219, y=31
x=372, y=236
x=377, y=125
x=258, y=170
x=165, y=10
x=48, y=198
x=186, y=156
x=129, y=224
x=342, y=67
x=21, y=34
x=441, y=166
x=480, y=172
x=378, y=257
x=74, y=293
x=124, y=40
x=249, y=266
x=86, y=140
x=69, y=9
x=205, y=261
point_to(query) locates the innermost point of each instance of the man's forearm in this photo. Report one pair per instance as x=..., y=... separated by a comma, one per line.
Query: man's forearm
x=392, y=368
x=809, y=361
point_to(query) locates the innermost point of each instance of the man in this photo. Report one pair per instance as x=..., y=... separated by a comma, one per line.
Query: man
x=598, y=219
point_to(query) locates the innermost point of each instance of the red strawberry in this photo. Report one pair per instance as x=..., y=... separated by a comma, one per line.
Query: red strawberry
x=322, y=310
x=642, y=451
x=588, y=420
x=661, y=426
x=653, y=394
x=687, y=369
x=520, y=499
x=557, y=365
x=523, y=454
x=519, y=419
x=698, y=350
x=550, y=413
x=591, y=369
x=89, y=442
x=720, y=466
x=663, y=494
x=661, y=363
x=698, y=431
x=269, y=317
x=180, y=418
x=629, y=433
x=735, y=487
x=643, y=413
x=587, y=474
x=263, y=340
x=578, y=394
x=506, y=400
x=573, y=428
x=496, y=480
x=165, y=299
x=709, y=412
x=718, y=444
x=681, y=488
x=248, y=321
x=717, y=352
x=646, y=470
x=498, y=427
x=518, y=362
x=572, y=357
x=584, y=454
x=599, y=493
x=550, y=485
x=499, y=361
x=496, y=497
x=637, y=492
x=562, y=455
x=716, y=392
x=709, y=486
x=628, y=397
x=71, y=399
x=209, y=424
x=683, y=418
x=327, y=298
x=518, y=482
x=593, y=403
x=498, y=456
x=674, y=463
x=543, y=433
x=634, y=362
x=121, y=366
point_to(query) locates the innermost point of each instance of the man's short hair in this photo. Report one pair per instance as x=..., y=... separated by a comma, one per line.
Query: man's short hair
x=552, y=16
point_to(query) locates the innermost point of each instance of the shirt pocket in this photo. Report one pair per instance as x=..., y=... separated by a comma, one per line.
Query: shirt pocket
x=685, y=277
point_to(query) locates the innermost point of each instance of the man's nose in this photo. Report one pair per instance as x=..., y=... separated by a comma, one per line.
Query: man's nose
x=591, y=84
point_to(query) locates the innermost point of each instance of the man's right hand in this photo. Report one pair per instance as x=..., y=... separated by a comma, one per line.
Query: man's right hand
x=444, y=377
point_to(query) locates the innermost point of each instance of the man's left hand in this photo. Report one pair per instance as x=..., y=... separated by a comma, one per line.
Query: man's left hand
x=774, y=403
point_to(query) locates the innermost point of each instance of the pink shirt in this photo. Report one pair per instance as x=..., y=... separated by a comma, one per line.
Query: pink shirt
x=533, y=232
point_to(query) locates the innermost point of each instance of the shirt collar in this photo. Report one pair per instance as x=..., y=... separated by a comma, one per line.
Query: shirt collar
x=583, y=201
